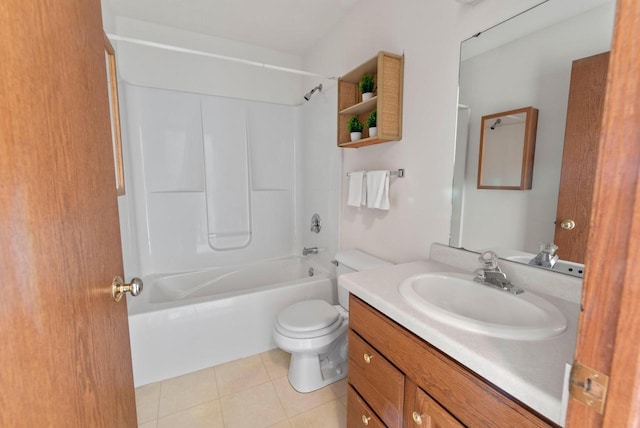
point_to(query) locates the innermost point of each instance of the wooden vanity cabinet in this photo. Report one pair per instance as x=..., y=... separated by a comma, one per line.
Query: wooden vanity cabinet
x=439, y=390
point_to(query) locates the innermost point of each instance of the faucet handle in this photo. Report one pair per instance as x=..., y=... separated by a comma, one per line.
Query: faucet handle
x=548, y=247
x=489, y=260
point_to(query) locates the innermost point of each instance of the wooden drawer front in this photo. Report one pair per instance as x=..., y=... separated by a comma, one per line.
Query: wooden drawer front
x=359, y=414
x=377, y=381
x=473, y=400
x=425, y=412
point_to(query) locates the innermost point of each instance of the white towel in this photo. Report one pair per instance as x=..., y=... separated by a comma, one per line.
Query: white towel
x=357, y=192
x=378, y=189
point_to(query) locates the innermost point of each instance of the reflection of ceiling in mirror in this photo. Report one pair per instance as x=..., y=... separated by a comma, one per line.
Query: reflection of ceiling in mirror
x=546, y=14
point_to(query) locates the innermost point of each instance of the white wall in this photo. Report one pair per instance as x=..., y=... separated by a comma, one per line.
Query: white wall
x=158, y=68
x=429, y=33
x=532, y=71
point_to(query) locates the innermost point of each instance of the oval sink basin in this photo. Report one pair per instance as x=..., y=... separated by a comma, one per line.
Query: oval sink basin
x=457, y=300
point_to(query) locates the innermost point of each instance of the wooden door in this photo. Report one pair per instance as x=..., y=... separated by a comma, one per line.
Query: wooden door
x=582, y=133
x=608, y=333
x=64, y=352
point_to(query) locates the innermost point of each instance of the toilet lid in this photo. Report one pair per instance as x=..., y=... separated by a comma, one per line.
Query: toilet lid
x=307, y=316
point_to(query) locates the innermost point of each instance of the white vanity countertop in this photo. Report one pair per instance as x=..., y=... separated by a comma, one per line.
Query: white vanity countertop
x=531, y=371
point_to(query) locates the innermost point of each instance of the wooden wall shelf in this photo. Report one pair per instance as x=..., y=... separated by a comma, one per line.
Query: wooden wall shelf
x=388, y=72
x=368, y=141
x=364, y=106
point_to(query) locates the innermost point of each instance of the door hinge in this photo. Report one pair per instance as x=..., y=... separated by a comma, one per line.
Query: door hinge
x=588, y=386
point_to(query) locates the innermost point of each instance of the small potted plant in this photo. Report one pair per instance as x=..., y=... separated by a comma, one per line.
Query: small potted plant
x=372, y=122
x=366, y=86
x=355, y=128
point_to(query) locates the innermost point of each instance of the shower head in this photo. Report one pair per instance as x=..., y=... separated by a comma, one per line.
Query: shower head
x=311, y=92
x=496, y=123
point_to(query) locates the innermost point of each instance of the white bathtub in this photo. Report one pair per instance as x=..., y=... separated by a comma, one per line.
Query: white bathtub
x=189, y=321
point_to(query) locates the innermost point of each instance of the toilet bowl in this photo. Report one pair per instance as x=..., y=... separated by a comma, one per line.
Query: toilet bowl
x=315, y=332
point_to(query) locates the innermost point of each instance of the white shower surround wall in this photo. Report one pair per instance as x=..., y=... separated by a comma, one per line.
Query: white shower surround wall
x=173, y=212
x=191, y=321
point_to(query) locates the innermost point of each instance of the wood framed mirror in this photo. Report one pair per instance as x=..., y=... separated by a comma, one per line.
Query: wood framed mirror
x=112, y=81
x=507, y=147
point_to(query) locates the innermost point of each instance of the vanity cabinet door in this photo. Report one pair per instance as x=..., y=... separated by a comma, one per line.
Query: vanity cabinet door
x=376, y=380
x=359, y=414
x=423, y=411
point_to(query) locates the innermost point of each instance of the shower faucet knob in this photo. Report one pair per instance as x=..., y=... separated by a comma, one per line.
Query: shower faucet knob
x=315, y=224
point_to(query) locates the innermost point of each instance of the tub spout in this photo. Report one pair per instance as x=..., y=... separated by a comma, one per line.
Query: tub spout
x=312, y=250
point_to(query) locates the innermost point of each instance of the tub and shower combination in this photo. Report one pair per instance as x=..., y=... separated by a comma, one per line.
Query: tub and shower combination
x=190, y=321
x=207, y=189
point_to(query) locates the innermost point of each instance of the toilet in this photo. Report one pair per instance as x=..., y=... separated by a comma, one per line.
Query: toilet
x=315, y=332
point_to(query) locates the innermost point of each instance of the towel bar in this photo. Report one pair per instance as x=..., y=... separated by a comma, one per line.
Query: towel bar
x=399, y=173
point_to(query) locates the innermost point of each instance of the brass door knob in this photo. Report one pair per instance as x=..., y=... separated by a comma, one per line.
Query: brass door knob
x=367, y=358
x=417, y=418
x=118, y=288
x=568, y=224
x=365, y=419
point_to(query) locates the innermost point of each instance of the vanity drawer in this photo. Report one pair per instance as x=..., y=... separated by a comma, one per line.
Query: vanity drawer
x=358, y=413
x=376, y=380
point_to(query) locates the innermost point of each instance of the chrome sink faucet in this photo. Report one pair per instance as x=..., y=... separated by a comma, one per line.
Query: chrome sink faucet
x=311, y=250
x=491, y=274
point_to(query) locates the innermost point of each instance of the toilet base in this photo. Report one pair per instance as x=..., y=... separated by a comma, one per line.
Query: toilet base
x=309, y=372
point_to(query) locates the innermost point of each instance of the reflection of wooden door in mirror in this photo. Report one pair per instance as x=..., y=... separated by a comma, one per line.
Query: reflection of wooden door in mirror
x=584, y=116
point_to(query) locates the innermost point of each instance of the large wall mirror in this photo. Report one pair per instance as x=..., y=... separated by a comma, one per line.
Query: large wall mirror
x=525, y=61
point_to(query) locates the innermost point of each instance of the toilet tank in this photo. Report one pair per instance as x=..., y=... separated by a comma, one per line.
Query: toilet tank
x=354, y=260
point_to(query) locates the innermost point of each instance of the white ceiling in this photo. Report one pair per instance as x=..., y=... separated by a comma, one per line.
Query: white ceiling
x=289, y=26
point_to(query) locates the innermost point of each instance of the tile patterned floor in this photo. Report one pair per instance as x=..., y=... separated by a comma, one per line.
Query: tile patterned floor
x=252, y=392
